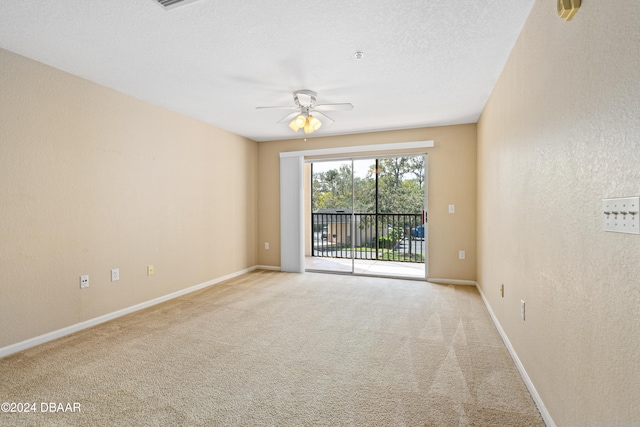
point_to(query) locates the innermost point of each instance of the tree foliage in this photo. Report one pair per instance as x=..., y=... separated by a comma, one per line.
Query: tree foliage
x=400, y=187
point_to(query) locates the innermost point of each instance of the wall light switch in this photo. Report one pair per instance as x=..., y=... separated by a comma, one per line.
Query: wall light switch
x=452, y=209
x=115, y=274
x=266, y=245
x=150, y=270
x=522, y=309
x=621, y=215
x=461, y=255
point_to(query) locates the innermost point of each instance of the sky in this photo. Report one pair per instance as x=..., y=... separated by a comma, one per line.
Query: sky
x=361, y=166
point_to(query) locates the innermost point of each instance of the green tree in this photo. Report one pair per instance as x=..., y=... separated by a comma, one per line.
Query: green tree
x=332, y=189
x=400, y=187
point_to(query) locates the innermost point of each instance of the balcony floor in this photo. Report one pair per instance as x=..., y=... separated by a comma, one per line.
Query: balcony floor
x=367, y=267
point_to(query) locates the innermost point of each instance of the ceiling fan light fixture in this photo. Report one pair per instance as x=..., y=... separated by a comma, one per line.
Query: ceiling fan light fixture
x=294, y=127
x=312, y=125
x=298, y=122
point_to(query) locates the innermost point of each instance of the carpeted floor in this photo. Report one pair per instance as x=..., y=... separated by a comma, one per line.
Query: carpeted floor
x=271, y=348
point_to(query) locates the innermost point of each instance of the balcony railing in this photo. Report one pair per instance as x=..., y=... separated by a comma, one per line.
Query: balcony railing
x=384, y=237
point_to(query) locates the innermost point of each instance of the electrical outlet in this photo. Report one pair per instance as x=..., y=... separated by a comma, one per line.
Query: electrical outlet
x=115, y=274
x=452, y=209
x=84, y=282
x=522, y=309
x=266, y=245
x=150, y=270
x=461, y=255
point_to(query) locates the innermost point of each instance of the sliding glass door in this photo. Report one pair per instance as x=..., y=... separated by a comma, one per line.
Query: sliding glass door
x=368, y=216
x=332, y=205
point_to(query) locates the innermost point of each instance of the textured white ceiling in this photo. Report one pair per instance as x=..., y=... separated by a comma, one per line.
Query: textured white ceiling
x=426, y=62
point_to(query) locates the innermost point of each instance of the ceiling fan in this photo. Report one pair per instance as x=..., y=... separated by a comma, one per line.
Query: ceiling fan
x=307, y=111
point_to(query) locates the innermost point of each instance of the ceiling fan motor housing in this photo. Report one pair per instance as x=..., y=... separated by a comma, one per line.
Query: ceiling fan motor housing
x=305, y=98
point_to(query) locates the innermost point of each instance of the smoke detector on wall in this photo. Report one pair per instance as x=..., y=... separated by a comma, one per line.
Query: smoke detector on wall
x=171, y=4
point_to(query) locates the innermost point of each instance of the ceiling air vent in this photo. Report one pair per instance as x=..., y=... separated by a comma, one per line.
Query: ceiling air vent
x=170, y=4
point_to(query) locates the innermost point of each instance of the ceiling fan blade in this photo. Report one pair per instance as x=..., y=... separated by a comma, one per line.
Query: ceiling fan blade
x=333, y=107
x=316, y=113
x=288, y=107
x=289, y=117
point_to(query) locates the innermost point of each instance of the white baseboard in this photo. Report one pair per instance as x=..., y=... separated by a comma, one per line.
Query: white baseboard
x=267, y=267
x=523, y=373
x=451, y=281
x=50, y=336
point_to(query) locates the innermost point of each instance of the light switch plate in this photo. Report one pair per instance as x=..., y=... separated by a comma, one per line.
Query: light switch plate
x=621, y=215
x=115, y=274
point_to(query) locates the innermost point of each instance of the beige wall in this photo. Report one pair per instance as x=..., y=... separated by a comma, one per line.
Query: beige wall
x=561, y=132
x=452, y=180
x=93, y=180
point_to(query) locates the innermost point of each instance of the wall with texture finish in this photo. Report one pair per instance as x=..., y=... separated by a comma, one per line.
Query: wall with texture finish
x=561, y=132
x=452, y=180
x=91, y=180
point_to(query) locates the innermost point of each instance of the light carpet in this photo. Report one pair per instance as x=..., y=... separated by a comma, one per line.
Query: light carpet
x=281, y=349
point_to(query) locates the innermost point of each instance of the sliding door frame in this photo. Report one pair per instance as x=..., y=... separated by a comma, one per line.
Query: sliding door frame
x=292, y=192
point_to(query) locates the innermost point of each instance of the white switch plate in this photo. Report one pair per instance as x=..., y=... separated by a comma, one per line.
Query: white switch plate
x=452, y=208
x=522, y=309
x=461, y=255
x=84, y=281
x=621, y=215
x=115, y=274
x=266, y=245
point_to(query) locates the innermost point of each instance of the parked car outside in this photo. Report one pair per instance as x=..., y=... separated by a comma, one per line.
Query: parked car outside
x=418, y=231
